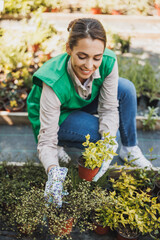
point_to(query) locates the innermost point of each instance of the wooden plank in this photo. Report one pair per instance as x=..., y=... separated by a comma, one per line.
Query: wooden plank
x=11, y=118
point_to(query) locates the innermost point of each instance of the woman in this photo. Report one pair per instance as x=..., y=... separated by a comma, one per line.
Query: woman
x=69, y=88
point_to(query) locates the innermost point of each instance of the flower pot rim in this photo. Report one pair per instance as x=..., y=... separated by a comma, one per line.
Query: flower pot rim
x=18, y=108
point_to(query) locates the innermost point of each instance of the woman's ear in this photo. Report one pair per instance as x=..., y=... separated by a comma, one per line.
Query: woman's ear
x=68, y=50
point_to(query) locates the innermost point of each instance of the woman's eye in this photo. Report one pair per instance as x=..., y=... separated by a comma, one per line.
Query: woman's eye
x=97, y=59
x=81, y=57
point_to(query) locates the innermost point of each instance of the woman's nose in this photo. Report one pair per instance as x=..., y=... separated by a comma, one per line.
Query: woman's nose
x=89, y=64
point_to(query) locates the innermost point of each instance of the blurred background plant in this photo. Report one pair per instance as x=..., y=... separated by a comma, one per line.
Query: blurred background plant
x=127, y=7
x=150, y=122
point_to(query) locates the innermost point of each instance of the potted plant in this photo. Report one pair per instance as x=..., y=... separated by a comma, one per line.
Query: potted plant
x=96, y=6
x=53, y=5
x=78, y=205
x=133, y=209
x=149, y=123
x=121, y=43
x=157, y=6
x=103, y=216
x=84, y=197
x=117, y=7
x=35, y=38
x=60, y=220
x=145, y=180
x=14, y=105
x=94, y=155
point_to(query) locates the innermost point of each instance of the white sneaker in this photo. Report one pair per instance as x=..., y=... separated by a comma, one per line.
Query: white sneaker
x=62, y=155
x=131, y=153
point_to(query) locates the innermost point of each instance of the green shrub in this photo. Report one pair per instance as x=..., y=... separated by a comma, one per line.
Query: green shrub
x=143, y=76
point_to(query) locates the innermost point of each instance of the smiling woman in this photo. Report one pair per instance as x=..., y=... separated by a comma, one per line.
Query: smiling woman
x=86, y=57
x=68, y=89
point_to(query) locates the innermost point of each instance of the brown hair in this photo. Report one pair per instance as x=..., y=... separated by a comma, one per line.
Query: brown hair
x=85, y=28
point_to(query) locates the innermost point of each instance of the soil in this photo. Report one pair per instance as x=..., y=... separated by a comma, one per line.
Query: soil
x=127, y=231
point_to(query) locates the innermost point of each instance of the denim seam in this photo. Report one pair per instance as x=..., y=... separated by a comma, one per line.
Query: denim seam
x=123, y=129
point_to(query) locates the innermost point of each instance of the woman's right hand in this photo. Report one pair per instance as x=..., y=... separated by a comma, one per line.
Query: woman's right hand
x=54, y=185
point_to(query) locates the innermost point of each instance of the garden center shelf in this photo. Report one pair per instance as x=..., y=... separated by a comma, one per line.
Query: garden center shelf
x=16, y=118
x=137, y=26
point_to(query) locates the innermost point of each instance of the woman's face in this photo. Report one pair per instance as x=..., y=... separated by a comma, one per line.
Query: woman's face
x=86, y=57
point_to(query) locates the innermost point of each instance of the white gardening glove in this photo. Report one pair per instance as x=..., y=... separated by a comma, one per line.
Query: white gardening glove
x=54, y=186
x=105, y=164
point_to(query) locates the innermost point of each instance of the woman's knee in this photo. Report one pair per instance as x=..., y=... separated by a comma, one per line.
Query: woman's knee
x=77, y=125
x=126, y=88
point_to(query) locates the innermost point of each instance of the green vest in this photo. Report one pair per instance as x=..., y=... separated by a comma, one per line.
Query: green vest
x=54, y=74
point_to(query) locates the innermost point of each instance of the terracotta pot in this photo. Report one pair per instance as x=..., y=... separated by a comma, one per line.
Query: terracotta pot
x=54, y=10
x=116, y=12
x=99, y=227
x=66, y=229
x=158, y=9
x=86, y=173
x=25, y=229
x=47, y=9
x=101, y=230
x=20, y=106
x=96, y=10
x=34, y=48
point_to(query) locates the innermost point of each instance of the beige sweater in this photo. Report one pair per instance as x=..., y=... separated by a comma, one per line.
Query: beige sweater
x=50, y=112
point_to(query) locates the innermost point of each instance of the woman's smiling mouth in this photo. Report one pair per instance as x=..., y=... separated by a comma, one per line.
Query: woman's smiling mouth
x=86, y=72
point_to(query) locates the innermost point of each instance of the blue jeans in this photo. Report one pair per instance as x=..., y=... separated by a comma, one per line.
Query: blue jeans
x=79, y=123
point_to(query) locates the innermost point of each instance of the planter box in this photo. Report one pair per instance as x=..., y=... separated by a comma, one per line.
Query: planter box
x=139, y=120
x=10, y=118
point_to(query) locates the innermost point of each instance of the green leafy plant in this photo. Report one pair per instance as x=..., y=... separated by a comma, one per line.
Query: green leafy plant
x=22, y=203
x=41, y=32
x=53, y=4
x=95, y=153
x=133, y=208
x=121, y=43
x=145, y=179
x=23, y=7
x=29, y=211
x=142, y=7
x=142, y=74
x=84, y=198
x=96, y=3
x=151, y=118
x=104, y=214
x=14, y=180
